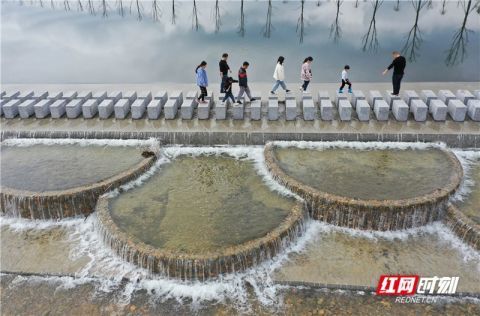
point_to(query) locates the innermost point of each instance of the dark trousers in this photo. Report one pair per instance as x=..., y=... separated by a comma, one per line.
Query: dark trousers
x=346, y=82
x=203, y=93
x=228, y=94
x=305, y=85
x=222, y=84
x=396, y=80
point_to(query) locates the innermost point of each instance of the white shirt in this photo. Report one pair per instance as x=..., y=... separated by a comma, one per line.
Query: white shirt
x=344, y=75
x=279, y=73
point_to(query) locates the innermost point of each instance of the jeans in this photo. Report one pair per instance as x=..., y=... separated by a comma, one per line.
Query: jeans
x=396, y=79
x=228, y=94
x=222, y=84
x=305, y=85
x=243, y=89
x=279, y=83
x=203, y=93
x=344, y=82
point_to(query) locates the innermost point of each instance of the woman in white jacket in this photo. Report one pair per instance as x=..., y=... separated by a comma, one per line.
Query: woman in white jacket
x=279, y=76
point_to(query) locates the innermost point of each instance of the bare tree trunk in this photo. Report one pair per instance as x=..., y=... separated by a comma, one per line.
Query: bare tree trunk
x=217, y=15
x=397, y=6
x=457, y=52
x=195, y=16
x=121, y=8
x=444, y=10
x=370, y=41
x=268, y=24
x=66, y=4
x=80, y=5
x=414, y=37
x=104, y=7
x=301, y=22
x=335, y=29
x=156, y=12
x=174, y=15
x=91, y=7
x=241, y=28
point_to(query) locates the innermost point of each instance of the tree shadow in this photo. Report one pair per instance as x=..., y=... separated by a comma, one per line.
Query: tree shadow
x=335, y=29
x=156, y=11
x=217, y=16
x=458, y=48
x=241, y=27
x=414, y=36
x=267, y=30
x=301, y=22
x=370, y=40
x=195, y=24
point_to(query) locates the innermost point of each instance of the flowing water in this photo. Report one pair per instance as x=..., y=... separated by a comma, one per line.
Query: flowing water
x=200, y=204
x=470, y=203
x=50, y=167
x=377, y=174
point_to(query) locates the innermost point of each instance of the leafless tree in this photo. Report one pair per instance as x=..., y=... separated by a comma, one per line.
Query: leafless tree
x=241, y=28
x=195, y=16
x=79, y=5
x=217, y=16
x=444, y=9
x=414, y=37
x=458, y=48
x=335, y=29
x=267, y=31
x=91, y=7
x=369, y=40
x=104, y=8
x=121, y=8
x=66, y=5
x=156, y=12
x=397, y=6
x=137, y=5
x=301, y=22
x=174, y=14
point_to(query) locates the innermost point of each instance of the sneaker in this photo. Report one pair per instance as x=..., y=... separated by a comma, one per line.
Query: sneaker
x=253, y=99
x=287, y=91
x=301, y=88
x=271, y=92
x=239, y=102
x=394, y=95
x=340, y=91
x=305, y=91
x=349, y=90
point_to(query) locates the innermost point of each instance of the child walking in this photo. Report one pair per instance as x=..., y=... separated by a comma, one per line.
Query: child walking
x=202, y=81
x=345, y=80
x=228, y=89
x=243, y=83
x=306, y=73
x=279, y=76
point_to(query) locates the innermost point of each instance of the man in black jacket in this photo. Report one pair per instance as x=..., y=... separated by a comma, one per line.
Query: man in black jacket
x=224, y=69
x=398, y=64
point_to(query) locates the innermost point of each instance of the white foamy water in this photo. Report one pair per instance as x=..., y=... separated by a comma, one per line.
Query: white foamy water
x=25, y=142
x=468, y=159
x=358, y=145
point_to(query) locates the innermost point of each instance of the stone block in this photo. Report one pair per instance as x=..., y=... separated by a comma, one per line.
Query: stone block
x=26, y=108
x=73, y=108
x=55, y=95
x=154, y=109
x=427, y=96
x=409, y=95
x=381, y=110
x=400, y=110
x=344, y=110
x=191, y=95
x=2, y=94
x=188, y=106
x=69, y=95
x=273, y=112
x=464, y=96
x=42, y=108
x=290, y=96
x=340, y=96
x=90, y=108
x=122, y=107
x=130, y=96
x=139, y=107
x=438, y=109
x=291, y=109
x=105, y=108
x=238, y=111
x=307, y=96
x=390, y=98
x=10, y=109
x=178, y=95
x=220, y=110
x=473, y=109
x=457, y=110
x=147, y=95
x=323, y=95
x=114, y=96
x=84, y=95
x=25, y=95
x=326, y=109
x=59, y=107
x=161, y=95
x=10, y=95
x=256, y=109
x=419, y=110
x=476, y=93
x=363, y=110
x=446, y=96
x=373, y=96
x=171, y=108
x=309, y=110
x=357, y=95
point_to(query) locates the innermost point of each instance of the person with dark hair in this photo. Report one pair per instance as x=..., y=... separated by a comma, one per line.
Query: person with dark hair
x=202, y=81
x=243, y=82
x=345, y=80
x=224, y=69
x=306, y=73
x=228, y=89
x=279, y=76
x=398, y=64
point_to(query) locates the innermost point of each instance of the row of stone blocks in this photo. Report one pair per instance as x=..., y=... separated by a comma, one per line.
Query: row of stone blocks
x=121, y=104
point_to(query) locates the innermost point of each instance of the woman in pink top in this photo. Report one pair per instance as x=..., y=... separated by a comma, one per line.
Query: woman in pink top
x=306, y=74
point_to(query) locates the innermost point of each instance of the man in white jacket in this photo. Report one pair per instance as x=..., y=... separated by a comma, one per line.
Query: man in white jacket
x=279, y=76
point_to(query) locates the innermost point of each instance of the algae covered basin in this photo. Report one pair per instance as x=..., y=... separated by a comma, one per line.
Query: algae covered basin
x=374, y=174
x=199, y=204
x=42, y=167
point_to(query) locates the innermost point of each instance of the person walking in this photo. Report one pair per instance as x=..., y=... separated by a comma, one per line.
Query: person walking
x=202, y=81
x=224, y=70
x=228, y=89
x=279, y=76
x=306, y=73
x=398, y=64
x=345, y=80
x=243, y=83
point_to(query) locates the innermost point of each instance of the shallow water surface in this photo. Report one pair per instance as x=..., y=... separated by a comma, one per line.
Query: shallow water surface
x=199, y=204
x=470, y=205
x=379, y=174
x=43, y=168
